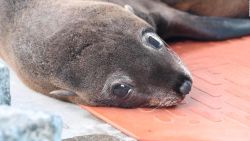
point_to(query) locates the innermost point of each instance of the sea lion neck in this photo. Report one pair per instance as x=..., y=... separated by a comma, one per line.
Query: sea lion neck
x=5, y=11
x=20, y=4
x=9, y=9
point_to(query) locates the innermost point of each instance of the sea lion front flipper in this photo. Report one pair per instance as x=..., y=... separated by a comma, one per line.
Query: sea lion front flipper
x=65, y=95
x=129, y=8
x=174, y=23
x=62, y=93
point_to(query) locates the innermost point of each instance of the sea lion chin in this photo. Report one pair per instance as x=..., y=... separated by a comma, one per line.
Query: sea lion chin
x=94, y=53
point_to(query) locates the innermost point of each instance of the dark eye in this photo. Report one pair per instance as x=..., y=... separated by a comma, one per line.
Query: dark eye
x=152, y=40
x=121, y=90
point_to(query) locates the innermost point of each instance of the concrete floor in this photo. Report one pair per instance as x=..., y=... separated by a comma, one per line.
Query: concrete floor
x=78, y=123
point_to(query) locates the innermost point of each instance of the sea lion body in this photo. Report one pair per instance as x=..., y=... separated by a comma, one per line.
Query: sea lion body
x=218, y=8
x=100, y=53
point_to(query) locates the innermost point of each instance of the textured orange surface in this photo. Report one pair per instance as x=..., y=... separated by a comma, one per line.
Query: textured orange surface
x=218, y=108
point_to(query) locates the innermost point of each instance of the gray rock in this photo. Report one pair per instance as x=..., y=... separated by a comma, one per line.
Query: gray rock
x=93, y=138
x=4, y=85
x=18, y=125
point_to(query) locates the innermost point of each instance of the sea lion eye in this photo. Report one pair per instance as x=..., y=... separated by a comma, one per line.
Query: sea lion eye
x=121, y=90
x=152, y=40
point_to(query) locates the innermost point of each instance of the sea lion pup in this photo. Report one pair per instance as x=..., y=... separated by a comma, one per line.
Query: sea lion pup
x=104, y=53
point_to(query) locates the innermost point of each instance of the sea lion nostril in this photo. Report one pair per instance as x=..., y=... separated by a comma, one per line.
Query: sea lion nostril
x=185, y=87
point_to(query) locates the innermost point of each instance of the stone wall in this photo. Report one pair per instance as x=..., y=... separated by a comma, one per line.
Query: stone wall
x=4, y=85
x=24, y=125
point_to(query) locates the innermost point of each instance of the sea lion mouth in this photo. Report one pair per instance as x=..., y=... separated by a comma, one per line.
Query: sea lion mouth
x=167, y=102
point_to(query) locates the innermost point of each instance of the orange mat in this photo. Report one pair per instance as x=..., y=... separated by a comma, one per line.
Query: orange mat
x=218, y=108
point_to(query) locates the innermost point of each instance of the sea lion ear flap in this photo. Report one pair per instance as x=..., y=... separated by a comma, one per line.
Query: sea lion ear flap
x=129, y=8
x=62, y=93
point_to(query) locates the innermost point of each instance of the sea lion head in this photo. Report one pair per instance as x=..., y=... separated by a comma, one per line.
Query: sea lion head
x=116, y=59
